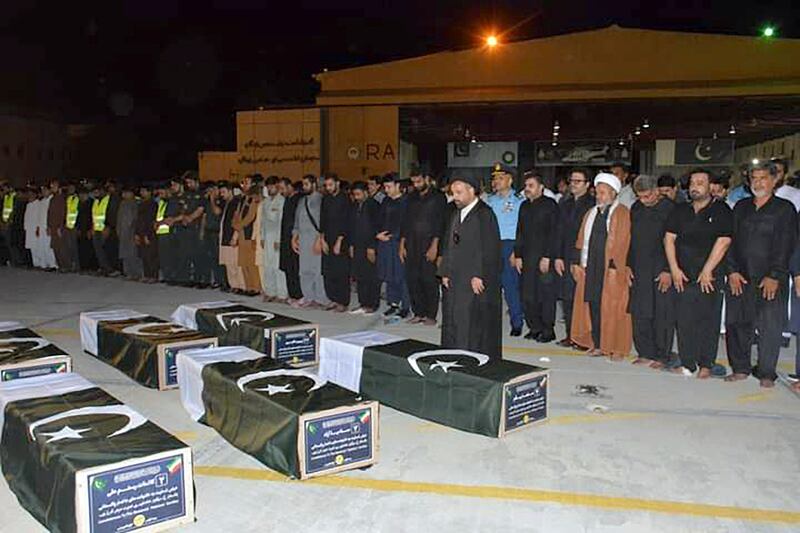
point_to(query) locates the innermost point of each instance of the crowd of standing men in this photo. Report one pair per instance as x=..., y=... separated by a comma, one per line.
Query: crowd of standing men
x=633, y=261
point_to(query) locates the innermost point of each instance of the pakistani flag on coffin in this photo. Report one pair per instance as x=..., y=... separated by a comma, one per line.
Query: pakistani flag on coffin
x=285, y=339
x=80, y=460
x=146, y=348
x=24, y=354
x=457, y=388
x=290, y=419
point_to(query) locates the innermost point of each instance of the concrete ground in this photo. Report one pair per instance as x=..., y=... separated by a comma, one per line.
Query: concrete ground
x=670, y=454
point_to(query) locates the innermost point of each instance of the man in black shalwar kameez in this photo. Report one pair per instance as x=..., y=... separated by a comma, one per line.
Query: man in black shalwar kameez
x=652, y=301
x=334, y=220
x=470, y=270
x=363, y=249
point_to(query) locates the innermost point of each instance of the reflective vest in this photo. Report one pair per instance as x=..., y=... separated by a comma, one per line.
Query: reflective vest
x=162, y=229
x=99, y=213
x=72, y=210
x=8, y=206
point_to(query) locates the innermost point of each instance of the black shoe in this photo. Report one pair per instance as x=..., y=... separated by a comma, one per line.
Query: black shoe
x=393, y=310
x=516, y=332
x=785, y=341
x=403, y=313
x=546, y=336
x=533, y=335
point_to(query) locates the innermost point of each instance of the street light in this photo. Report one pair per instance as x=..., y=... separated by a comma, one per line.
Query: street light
x=768, y=31
x=491, y=41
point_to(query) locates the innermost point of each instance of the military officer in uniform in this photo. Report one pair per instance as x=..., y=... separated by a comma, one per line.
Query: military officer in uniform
x=192, y=269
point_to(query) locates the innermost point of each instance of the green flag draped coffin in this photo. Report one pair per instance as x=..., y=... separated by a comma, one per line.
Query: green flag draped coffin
x=290, y=419
x=79, y=460
x=143, y=347
x=285, y=339
x=24, y=354
x=457, y=388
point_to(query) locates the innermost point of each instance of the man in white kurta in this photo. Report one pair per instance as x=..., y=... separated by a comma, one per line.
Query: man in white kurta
x=273, y=280
x=29, y=223
x=48, y=257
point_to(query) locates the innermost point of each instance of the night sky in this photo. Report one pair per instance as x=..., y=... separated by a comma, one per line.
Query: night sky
x=170, y=74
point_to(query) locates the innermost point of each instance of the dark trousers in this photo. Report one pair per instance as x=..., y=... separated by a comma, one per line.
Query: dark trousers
x=86, y=256
x=698, y=326
x=15, y=255
x=423, y=285
x=149, y=255
x=205, y=258
x=538, y=297
x=596, y=319
x=567, y=300
x=766, y=317
x=166, y=256
x=654, y=333
x=216, y=272
x=292, y=272
x=184, y=239
x=509, y=279
x=70, y=244
x=99, y=244
x=368, y=285
x=197, y=255
x=337, y=287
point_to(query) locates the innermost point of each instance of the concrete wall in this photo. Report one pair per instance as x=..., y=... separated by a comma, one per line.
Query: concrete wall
x=362, y=141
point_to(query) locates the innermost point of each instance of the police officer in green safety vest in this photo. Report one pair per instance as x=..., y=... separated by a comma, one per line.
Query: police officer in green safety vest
x=170, y=216
x=69, y=232
x=8, y=196
x=100, y=233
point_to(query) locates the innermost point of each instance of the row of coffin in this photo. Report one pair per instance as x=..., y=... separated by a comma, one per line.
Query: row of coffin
x=78, y=459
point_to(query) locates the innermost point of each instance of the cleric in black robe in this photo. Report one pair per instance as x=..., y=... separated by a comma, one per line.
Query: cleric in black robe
x=419, y=247
x=289, y=261
x=652, y=298
x=363, y=249
x=470, y=270
x=535, y=248
x=571, y=209
x=764, y=237
x=334, y=225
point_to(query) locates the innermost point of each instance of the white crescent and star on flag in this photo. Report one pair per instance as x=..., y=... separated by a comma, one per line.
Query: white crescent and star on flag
x=278, y=389
x=166, y=328
x=445, y=366
x=242, y=316
x=39, y=343
x=135, y=420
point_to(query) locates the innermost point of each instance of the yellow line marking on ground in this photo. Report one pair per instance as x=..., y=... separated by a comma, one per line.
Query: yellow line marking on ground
x=613, y=503
x=58, y=332
x=595, y=418
x=186, y=436
x=756, y=397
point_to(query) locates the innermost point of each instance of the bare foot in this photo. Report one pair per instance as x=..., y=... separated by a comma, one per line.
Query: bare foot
x=429, y=322
x=616, y=357
x=704, y=373
x=795, y=387
x=657, y=365
x=594, y=352
x=735, y=377
x=766, y=383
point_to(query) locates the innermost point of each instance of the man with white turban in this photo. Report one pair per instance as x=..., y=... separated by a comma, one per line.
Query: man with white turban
x=600, y=320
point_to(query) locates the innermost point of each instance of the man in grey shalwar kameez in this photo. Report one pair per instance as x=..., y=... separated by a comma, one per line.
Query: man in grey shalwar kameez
x=126, y=231
x=305, y=243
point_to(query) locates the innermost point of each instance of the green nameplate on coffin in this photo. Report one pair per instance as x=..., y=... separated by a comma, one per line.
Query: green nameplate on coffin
x=457, y=388
x=53, y=446
x=285, y=339
x=270, y=411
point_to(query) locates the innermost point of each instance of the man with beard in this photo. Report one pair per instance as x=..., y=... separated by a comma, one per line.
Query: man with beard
x=228, y=256
x=334, y=222
x=600, y=322
x=622, y=171
x=273, y=281
x=211, y=268
x=126, y=233
x=111, y=240
x=363, y=249
x=698, y=235
x=375, y=188
x=652, y=300
x=391, y=219
x=505, y=203
x=56, y=218
x=470, y=270
x=307, y=244
x=764, y=237
x=571, y=209
x=145, y=236
x=419, y=247
x=245, y=238
x=189, y=233
x=668, y=188
x=69, y=234
x=534, y=249
x=84, y=228
x=289, y=263
x=783, y=189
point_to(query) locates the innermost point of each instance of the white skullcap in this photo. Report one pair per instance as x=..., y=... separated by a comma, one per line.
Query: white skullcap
x=609, y=179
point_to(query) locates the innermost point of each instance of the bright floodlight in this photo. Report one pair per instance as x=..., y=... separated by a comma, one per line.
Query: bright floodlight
x=491, y=41
x=768, y=31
